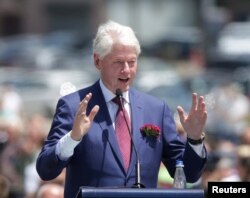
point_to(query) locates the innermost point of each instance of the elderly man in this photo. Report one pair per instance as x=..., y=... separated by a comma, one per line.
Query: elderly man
x=91, y=131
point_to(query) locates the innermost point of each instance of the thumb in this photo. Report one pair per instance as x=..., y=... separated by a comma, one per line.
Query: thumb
x=181, y=113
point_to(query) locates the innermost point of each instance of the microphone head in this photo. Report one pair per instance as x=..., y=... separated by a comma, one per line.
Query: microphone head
x=118, y=92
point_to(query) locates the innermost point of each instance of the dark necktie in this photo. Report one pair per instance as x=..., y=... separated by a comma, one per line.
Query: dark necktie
x=122, y=132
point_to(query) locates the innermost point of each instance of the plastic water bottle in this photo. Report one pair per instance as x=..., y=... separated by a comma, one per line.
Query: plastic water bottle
x=179, y=176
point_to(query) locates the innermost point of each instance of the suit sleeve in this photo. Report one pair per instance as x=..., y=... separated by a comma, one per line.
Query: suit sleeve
x=174, y=147
x=48, y=165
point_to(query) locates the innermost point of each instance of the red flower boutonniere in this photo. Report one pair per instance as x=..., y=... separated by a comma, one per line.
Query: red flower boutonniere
x=150, y=130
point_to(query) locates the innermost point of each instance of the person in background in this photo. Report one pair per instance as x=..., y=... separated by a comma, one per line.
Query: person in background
x=85, y=134
x=244, y=162
x=4, y=187
x=245, y=136
x=50, y=190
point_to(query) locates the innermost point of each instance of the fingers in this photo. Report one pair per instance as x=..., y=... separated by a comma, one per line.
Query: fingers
x=194, y=101
x=84, y=104
x=201, y=104
x=198, y=104
x=83, y=121
x=194, y=122
x=93, y=113
x=83, y=107
x=200, y=107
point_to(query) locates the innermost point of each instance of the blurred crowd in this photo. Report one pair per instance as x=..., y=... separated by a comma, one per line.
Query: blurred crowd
x=227, y=141
x=227, y=130
x=20, y=141
x=33, y=67
x=21, y=136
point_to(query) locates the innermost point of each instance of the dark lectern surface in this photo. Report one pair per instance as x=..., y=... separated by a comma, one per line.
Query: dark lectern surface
x=88, y=192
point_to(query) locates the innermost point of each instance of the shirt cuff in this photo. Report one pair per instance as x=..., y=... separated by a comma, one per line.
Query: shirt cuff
x=199, y=149
x=65, y=147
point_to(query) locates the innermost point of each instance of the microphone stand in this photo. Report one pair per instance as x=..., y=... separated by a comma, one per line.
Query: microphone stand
x=138, y=183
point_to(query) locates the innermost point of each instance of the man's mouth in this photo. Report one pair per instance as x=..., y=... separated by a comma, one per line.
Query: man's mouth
x=124, y=79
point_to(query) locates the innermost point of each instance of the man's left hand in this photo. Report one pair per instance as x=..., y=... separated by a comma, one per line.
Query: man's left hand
x=194, y=122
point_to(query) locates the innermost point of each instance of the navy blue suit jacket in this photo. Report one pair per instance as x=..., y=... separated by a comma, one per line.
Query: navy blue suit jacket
x=97, y=160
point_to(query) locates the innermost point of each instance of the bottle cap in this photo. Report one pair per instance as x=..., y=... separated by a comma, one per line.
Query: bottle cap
x=179, y=163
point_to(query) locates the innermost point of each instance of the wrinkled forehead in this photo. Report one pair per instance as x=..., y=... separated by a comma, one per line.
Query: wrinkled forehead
x=122, y=50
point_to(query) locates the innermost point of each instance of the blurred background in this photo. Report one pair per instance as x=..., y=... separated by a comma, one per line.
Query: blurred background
x=188, y=46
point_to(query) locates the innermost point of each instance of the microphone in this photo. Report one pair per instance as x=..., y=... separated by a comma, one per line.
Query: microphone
x=137, y=184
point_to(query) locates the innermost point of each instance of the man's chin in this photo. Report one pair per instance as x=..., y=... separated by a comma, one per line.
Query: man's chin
x=123, y=88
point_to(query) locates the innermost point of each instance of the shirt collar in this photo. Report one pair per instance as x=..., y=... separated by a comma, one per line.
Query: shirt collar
x=108, y=95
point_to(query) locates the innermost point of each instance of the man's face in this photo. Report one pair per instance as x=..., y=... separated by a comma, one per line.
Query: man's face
x=118, y=68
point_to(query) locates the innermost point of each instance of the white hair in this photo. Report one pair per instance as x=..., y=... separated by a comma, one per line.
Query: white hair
x=110, y=33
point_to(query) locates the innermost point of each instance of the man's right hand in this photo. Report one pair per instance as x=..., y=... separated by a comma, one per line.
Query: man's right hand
x=82, y=121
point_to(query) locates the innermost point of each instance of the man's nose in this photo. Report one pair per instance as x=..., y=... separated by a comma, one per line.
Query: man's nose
x=125, y=67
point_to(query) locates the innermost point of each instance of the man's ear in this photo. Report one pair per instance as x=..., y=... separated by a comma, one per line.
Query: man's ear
x=96, y=61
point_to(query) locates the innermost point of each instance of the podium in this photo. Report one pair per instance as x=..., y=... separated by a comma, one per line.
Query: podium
x=89, y=192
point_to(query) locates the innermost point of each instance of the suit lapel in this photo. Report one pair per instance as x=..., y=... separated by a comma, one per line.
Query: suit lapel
x=137, y=122
x=104, y=120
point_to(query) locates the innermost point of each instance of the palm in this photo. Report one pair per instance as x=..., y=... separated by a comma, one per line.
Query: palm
x=82, y=121
x=194, y=122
